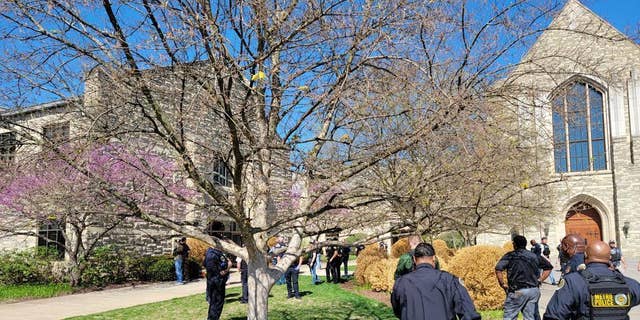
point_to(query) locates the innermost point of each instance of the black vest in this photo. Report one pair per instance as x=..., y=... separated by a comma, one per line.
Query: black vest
x=609, y=296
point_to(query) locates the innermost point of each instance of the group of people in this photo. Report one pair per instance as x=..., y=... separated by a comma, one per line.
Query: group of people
x=591, y=286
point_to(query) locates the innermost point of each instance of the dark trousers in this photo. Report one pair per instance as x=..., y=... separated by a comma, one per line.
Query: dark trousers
x=327, y=268
x=215, y=295
x=335, y=271
x=291, y=276
x=244, y=278
x=345, y=262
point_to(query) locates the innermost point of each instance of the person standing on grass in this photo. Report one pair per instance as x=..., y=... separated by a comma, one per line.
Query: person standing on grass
x=217, y=266
x=180, y=255
x=346, y=250
x=314, y=262
x=244, y=279
x=291, y=276
x=430, y=294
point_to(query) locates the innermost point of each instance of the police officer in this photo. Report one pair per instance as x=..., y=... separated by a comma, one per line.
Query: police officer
x=329, y=252
x=617, y=259
x=572, y=246
x=217, y=266
x=596, y=292
x=524, y=279
x=427, y=293
x=334, y=262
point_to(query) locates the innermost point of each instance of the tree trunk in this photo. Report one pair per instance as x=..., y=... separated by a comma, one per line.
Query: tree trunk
x=261, y=279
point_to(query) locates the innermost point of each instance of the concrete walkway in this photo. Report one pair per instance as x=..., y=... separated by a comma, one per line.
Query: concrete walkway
x=100, y=301
x=105, y=300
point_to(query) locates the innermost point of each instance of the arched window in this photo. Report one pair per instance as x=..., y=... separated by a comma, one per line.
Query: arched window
x=578, y=129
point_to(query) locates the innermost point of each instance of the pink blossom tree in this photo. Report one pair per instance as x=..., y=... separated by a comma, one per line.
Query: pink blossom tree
x=88, y=197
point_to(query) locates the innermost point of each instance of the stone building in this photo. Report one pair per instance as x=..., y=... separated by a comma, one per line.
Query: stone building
x=583, y=91
x=111, y=107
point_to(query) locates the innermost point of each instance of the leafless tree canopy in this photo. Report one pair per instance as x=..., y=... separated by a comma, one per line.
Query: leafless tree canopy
x=377, y=111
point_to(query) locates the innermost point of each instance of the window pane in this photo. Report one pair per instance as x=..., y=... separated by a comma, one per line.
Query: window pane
x=558, y=120
x=599, y=155
x=560, y=157
x=221, y=174
x=597, y=122
x=579, y=152
x=577, y=113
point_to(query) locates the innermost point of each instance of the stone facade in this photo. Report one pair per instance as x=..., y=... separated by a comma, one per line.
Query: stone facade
x=579, y=46
x=113, y=105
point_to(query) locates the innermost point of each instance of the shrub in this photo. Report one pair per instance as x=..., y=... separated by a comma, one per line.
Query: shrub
x=508, y=246
x=442, y=250
x=107, y=265
x=475, y=266
x=198, y=248
x=192, y=268
x=380, y=274
x=400, y=247
x=26, y=266
x=367, y=256
x=162, y=269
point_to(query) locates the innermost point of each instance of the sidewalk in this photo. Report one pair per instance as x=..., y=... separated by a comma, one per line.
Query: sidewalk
x=105, y=300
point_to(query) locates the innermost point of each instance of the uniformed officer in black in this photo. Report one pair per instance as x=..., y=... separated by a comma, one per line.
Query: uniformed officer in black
x=612, y=294
x=427, y=293
x=524, y=279
x=217, y=267
x=573, y=247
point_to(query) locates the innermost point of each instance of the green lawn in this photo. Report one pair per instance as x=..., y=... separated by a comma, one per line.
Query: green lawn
x=32, y=291
x=325, y=301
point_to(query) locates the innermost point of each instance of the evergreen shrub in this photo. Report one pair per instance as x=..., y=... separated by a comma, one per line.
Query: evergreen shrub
x=26, y=266
x=107, y=265
x=475, y=266
x=162, y=269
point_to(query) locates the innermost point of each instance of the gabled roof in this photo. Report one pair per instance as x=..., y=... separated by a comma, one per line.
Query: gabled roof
x=577, y=41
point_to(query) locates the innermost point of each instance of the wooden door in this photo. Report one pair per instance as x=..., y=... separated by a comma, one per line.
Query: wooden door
x=585, y=222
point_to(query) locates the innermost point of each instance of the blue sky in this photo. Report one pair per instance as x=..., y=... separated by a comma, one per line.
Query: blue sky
x=622, y=14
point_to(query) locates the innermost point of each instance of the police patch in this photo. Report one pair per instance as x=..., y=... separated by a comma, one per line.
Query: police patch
x=561, y=283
